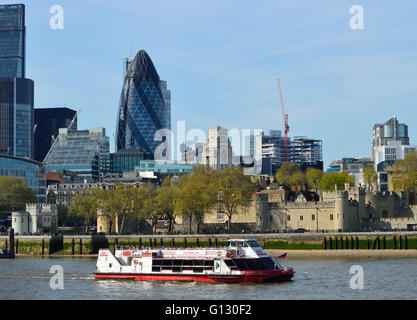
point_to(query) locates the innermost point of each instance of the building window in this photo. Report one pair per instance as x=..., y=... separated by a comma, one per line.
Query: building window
x=313, y=217
x=331, y=217
x=301, y=218
x=288, y=218
x=385, y=213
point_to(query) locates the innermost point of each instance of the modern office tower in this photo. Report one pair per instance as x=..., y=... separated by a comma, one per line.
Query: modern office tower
x=301, y=150
x=85, y=152
x=142, y=110
x=217, y=152
x=48, y=121
x=12, y=41
x=16, y=92
x=167, y=100
x=16, y=117
x=126, y=160
x=390, y=142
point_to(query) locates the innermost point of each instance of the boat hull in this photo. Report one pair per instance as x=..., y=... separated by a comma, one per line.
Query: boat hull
x=267, y=276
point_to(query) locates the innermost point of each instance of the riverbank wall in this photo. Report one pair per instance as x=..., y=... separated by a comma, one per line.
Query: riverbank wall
x=307, y=244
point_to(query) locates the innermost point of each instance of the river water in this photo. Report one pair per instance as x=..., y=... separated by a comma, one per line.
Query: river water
x=29, y=278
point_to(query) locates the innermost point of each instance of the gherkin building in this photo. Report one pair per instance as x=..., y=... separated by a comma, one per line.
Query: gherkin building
x=142, y=110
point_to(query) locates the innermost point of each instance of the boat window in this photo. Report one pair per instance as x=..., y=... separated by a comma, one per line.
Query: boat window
x=177, y=262
x=156, y=262
x=244, y=244
x=166, y=262
x=232, y=243
x=209, y=263
x=231, y=264
x=253, y=243
x=198, y=262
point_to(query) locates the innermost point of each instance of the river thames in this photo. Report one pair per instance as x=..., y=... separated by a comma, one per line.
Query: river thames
x=29, y=279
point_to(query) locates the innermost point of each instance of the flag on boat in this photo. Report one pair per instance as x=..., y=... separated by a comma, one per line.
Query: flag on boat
x=284, y=255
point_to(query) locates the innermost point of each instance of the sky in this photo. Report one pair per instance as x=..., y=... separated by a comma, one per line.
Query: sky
x=221, y=60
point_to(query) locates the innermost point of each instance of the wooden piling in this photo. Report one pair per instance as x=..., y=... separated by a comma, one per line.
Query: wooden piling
x=210, y=244
x=401, y=242
x=185, y=242
x=17, y=246
x=198, y=243
x=330, y=243
x=216, y=244
x=384, y=242
x=43, y=246
x=73, y=246
x=81, y=246
x=140, y=243
x=336, y=243
x=324, y=243
x=395, y=243
x=357, y=243
x=405, y=242
x=173, y=242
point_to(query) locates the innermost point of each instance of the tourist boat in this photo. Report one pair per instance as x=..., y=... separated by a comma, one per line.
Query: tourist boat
x=243, y=260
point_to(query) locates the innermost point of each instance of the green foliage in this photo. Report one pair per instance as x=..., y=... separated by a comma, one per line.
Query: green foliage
x=84, y=206
x=14, y=194
x=285, y=172
x=370, y=177
x=329, y=180
x=235, y=189
x=404, y=173
x=314, y=177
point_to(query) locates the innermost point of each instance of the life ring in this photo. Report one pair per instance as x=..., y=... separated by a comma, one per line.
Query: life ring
x=229, y=253
x=135, y=261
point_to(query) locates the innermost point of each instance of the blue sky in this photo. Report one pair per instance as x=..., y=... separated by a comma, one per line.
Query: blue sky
x=221, y=60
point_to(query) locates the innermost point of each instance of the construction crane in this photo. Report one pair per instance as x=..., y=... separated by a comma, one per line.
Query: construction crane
x=286, y=126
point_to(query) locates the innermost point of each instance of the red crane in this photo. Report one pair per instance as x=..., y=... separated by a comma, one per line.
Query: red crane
x=286, y=126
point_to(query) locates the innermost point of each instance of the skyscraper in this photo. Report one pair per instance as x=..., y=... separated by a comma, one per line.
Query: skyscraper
x=390, y=142
x=47, y=124
x=16, y=92
x=142, y=109
x=12, y=41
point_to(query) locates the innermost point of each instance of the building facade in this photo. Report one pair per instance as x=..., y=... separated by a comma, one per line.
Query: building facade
x=390, y=142
x=37, y=219
x=142, y=109
x=48, y=121
x=126, y=160
x=217, y=152
x=31, y=171
x=85, y=152
x=12, y=41
x=302, y=150
x=16, y=92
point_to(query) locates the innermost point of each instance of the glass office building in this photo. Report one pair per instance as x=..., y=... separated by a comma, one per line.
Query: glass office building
x=142, y=110
x=16, y=92
x=17, y=117
x=12, y=41
x=47, y=124
x=29, y=170
x=84, y=152
x=126, y=160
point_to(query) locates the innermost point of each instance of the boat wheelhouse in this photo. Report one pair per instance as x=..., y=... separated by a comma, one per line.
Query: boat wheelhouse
x=242, y=260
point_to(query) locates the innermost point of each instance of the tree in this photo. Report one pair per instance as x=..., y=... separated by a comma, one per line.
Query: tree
x=404, y=173
x=198, y=193
x=329, y=180
x=370, y=177
x=149, y=209
x=84, y=206
x=298, y=178
x=285, y=172
x=166, y=201
x=14, y=194
x=236, y=191
x=126, y=201
x=314, y=177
